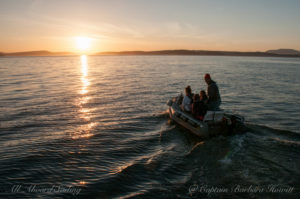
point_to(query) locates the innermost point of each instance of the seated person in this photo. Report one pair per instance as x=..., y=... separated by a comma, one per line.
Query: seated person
x=198, y=108
x=203, y=96
x=187, y=100
x=214, y=98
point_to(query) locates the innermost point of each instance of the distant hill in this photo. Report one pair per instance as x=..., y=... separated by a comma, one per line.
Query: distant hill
x=39, y=53
x=270, y=53
x=284, y=52
x=199, y=52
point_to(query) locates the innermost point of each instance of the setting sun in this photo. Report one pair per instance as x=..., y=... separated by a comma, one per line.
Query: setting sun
x=83, y=43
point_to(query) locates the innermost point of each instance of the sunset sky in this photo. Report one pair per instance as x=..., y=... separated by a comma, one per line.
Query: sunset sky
x=119, y=25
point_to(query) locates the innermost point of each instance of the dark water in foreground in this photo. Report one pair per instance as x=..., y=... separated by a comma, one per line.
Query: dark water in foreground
x=96, y=127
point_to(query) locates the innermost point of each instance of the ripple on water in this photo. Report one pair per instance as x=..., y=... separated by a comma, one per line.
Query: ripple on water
x=99, y=123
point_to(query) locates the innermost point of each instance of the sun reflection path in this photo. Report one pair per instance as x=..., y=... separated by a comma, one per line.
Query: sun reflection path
x=84, y=130
x=84, y=76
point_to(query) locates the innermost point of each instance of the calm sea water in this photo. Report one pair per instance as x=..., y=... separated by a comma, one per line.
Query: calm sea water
x=96, y=127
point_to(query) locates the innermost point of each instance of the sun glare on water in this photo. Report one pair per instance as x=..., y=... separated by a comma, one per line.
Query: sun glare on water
x=83, y=43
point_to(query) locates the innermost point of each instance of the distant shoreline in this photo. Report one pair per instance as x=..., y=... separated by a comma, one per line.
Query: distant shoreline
x=197, y=53
x=156, y=53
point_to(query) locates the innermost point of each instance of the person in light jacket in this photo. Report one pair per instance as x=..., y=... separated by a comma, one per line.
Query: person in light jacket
x=187, y=100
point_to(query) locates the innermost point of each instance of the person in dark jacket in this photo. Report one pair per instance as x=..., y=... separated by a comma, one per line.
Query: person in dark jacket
x=214, y=98
x=203, y=96
x=198, y=107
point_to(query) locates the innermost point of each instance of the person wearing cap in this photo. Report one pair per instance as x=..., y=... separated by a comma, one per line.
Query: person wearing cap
x=214, y=98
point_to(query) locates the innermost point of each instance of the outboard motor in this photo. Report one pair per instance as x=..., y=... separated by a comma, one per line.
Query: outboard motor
x=237, y=121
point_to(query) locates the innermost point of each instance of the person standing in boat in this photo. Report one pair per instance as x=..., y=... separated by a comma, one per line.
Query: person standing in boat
x=214, y=98
x=187, y=100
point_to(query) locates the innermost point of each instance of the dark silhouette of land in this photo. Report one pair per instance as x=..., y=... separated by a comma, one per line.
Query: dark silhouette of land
x=201, y=52
x=284, y=52
x=38, y=53
x=269, y=53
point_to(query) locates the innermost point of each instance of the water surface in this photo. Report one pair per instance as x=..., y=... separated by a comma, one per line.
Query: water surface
x=98, y=123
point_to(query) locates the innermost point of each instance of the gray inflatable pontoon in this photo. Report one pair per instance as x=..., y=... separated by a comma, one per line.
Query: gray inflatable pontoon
x=214, y=122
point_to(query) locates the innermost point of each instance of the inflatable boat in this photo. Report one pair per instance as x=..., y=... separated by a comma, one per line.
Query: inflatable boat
x=214, y=122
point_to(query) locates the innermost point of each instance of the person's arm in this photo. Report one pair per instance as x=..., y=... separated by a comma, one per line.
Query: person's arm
x=184, y=102
x=193, y=109
x=211, y=92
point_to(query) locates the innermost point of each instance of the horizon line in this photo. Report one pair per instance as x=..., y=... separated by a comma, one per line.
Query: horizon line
x=117, y=51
